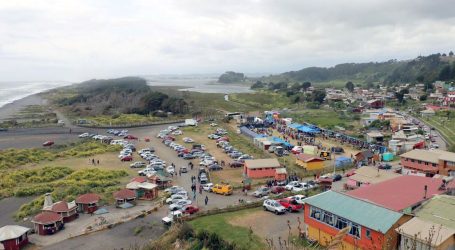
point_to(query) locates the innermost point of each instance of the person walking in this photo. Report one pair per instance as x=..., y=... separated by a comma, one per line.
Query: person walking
x=200, y=189
x=206, y=200
x=97, y=162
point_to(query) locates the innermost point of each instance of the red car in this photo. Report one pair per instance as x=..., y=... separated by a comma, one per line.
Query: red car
x=290, y=204
x=190, y=209
x=48, y=143
x=350, y=173
x=130, y=137
x=224, y=138
x=147, y=139
x=236, y=164
x=278, y=189
x=127, y=158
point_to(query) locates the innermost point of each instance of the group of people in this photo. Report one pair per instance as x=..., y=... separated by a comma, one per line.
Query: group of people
x=94, y=162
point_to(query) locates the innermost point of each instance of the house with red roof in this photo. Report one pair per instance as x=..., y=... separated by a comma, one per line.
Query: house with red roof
x=13, y=237
x=143, y=190
x=68, y=210
x=125, y=196
x=47, y=223
x=402, y=194
x=87, y=203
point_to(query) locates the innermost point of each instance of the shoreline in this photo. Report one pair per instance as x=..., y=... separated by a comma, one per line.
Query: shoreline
x=9, y=109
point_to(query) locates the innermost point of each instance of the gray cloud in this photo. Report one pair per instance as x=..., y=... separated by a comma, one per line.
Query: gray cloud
x=80, y=39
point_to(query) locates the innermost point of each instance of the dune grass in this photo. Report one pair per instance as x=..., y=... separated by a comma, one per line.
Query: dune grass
x=219, y=224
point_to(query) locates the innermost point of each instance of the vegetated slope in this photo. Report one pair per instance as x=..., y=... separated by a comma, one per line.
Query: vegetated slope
x=423, y=68
x=114, y=96
x=231, y=77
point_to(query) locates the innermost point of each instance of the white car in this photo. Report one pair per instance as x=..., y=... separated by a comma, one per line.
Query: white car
x=207, y=187
x=179, y=204
x=146, y=172
x=213, y=124
x=299, y=198
x=273, y=206
x=177, y=132
x=174, y=198
x=291, y=184
x=171, y=217
x=84, y=135
x=170, y=170
x=188, y=140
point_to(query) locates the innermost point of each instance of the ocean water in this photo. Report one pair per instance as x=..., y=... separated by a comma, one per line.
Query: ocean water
x=12, y=91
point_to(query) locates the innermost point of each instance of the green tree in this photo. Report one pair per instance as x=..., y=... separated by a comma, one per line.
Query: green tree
x=423, y=97
x=350, y=86
x=451, y=53
x=318, y=96
x=306, y=85
x=420, y=78
x=445, y=73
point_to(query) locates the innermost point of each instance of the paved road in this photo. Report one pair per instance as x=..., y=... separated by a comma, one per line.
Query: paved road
x=439, y=139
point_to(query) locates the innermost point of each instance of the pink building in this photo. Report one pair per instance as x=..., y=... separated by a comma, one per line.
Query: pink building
x=428, y=162
x=261, y=168
x=366, y=176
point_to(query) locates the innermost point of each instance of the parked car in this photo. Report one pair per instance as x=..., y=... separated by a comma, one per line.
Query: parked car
x=262, y=191
x=179, y=204
x=222, y=189
x=189, y=209
x=291, y=204
x=236, y=164
x=213, y=124
x=337, y=177
x=291, y=184
x=273, y=206
x=188, y=156
x=138, y=164
x=48, y=143
x=207, y=187
x=183, y=169
x=126, y=158
x=277, y=189
x=384, y=166
x=146, y=171
x=214, y=167
x=84, y=135
x=173, y=189
x=299, y=198
x=171, y=217
x=175, y=198
x=170, y=170
x=130, y=137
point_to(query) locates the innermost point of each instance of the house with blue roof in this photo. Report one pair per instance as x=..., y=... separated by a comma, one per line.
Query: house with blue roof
x=334, y=218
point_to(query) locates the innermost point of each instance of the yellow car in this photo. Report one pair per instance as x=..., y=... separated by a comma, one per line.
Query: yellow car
x=222, y=189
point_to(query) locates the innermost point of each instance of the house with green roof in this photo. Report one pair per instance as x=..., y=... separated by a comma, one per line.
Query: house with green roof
x=433, y=227
x=334, y=218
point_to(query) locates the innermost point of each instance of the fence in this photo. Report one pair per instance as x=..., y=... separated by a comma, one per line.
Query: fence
x=131, y=125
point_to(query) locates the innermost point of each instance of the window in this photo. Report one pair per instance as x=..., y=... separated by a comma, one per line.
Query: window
x=412, y=161
x=315, y=213
x=368, y=233
x=426, y=163
x=420, y=162
x=328, y=218
x=341, y=223
x=434, y=164
x=355, y=230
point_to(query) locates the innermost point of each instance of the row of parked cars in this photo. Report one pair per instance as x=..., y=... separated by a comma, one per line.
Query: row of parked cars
x=179, y=204
x=289, y=204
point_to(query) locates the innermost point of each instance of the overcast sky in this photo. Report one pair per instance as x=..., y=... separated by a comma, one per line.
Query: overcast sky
x=77, y=40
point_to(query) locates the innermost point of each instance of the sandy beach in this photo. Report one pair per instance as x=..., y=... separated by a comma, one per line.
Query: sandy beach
x=7, y=111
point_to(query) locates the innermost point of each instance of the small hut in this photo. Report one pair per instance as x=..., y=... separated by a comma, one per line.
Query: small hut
x=47, y=223
x=87, y=203
x=13, y=237
x=125, y=196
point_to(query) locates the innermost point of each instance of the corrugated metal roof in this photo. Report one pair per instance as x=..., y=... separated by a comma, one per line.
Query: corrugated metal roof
x=421, y=230
x=355, y=210
x=440, y=209
x=262, y=163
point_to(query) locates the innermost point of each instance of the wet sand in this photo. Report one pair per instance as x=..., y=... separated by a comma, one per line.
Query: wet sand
x=7, y=111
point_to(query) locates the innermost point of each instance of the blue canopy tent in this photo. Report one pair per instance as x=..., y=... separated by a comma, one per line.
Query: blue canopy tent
x=294, y=125
x=286, y=144
x=307, y=129
x=248, y=132
x=342, y=161
x=101, y=211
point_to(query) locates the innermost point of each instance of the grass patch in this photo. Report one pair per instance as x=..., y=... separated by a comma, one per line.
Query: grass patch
x=62, y=182
x=123, y=119
x=12, y=158
x=242, y=237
